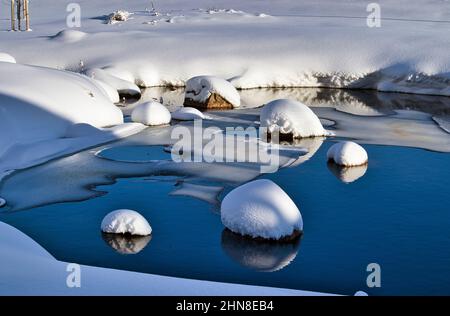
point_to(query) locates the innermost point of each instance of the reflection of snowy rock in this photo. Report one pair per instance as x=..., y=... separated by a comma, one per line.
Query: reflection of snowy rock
x=347, y=154
x=347, y=174
x=187, y=114
x=7, y=58
x=292, y=119
x=126, y=222
x=261, y=209
x=2, y=202
x=202, y=192
x=126, y=244
x=261, y=255
x=311, y=144
x=206, y=92
x=151, y=113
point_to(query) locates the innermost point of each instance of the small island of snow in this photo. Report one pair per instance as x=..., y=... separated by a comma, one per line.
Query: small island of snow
x=347, y=154
x=151, y=114
x=291, y=119
x=261, y=209
x=207, y=92
x=126, y=222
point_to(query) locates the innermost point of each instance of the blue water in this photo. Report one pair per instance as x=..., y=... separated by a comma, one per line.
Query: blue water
x=396, y=215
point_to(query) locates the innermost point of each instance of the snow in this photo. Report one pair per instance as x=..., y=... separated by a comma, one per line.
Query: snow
x=38, y=108
x=151, y=113
x=118, y=16
x=2, y=202
x=26, y=267
x=69, y=36
x=200, y=88
x=122, y=86
x=112, y=93
x=7, y=58
x=126, y=222
x=261, y=209
x=291, y=117
x=187, y=114
x=347, y=154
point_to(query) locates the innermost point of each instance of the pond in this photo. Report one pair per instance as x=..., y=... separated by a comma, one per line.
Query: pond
x=394, y=212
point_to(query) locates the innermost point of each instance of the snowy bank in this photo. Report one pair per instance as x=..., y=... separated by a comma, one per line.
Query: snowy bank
x=310, y=43
x=40, y=109
x=27, y=269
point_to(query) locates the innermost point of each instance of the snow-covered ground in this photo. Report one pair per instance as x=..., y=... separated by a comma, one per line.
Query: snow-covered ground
x=27, y=269
x=253, y=43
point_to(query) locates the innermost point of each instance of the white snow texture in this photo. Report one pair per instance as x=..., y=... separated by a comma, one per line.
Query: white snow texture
x=151, y=114
x=187, y=114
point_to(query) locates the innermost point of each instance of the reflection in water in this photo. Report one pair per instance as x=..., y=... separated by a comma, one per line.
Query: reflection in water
x=260, y=255
x=312, y=144
x=126, y=244
x=347, y=174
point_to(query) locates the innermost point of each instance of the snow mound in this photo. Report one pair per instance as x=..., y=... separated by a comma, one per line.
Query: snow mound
x=187, y=114
x=7, y=58
x=151, y=114
x=109, y=91
x=347, y=154
x=2, y=202
x=291, y=118
x=261, y=209
x=126, y=222
x=125, y=88
x=211, y=92
x=118, y=16
x=126, y=244
x=81, y=130
x=69, y=36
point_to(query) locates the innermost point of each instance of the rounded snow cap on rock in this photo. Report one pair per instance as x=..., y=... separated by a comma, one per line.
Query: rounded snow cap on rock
x=7, y=58
x=2, y=202
x=200, y=89
x=347, y=154
x=291, y=118
x=151, y=113
x=361, y=293
x=261, y=209
x=69, y=36
x=126, y=222
x=187, y=114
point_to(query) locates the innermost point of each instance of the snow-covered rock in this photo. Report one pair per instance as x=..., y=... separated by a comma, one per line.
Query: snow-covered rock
x=261, y=209
x=7, y=58
x=125, y=88
x=109, y=91
x=151, y=114
x=347, y=154
x=292, y=119
x=126, y=244
x=187, y=114
x=209, y=92
x=2, y=202
x=126, y=222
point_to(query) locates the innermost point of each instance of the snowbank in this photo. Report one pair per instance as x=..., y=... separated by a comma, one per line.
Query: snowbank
x=187, y=114
x=347, y=154
x=126, y=222
x=38, y=108
x=7, y=58
x=291, y=118
x=151, y=113
x=27, y=269
x=211, y=92
x=69, y=36
x=261, y=209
